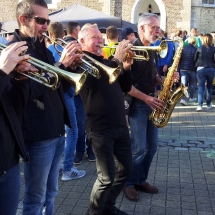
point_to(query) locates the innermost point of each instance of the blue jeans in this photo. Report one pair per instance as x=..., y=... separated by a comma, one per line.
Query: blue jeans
x=112, y=149
x=188, y=78
x=144, y=142
x=9, y=191
x=81, y=120
x=41, y=176
x=205, y=75
x=72, y=133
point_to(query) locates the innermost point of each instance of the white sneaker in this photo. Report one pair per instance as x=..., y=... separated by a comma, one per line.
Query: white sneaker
x=199, y=108
x=209, y=107
x=183, y=102
x=74, y=173
x=192, y=99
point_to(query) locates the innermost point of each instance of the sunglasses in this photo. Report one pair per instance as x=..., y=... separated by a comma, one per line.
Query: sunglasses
x=40, y=20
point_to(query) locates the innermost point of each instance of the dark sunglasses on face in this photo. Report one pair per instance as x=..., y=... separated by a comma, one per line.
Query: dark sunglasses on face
x=40, y=20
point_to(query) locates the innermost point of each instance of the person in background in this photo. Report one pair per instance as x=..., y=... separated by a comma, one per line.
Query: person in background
x=205, y=60
x=13, y=100
x=3, y=40
x=105, y=123
x=82, y=142
x=70, y=172
x=185, y=35
x=166, y=62
x=112, y=35
x=194, y=32
x=213, y=35
x=72, y=30
x=128, y=34
x=188, y=69
x=46, y=112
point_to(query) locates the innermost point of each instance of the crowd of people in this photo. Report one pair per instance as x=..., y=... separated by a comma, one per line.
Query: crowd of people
x=53, y=129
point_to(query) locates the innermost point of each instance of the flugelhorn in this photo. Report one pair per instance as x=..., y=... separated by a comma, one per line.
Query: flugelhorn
x=112, y=73
x=77, y=80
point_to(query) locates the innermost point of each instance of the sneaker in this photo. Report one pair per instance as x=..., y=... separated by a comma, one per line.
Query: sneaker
x=192, y=99
x=183, y=102
x=209, y=107
x=78, y=158
x=91, y=156
x=74, y=173
x=199, y=108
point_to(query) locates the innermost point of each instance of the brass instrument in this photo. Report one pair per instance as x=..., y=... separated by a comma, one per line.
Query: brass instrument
x=161, y=117
x=112, y=73
x=143, y=54
x=77, y=80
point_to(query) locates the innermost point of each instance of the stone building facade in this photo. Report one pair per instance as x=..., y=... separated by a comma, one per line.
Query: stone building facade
x=174, y=14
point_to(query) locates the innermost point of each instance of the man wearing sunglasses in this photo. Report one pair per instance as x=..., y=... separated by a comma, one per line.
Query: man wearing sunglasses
x=46, y=113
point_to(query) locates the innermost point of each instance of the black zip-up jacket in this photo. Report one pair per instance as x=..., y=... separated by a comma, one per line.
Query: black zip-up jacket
x=46, y=112
x=205, y=57
x=187, y=58
x=104, y=102
x=12, y=103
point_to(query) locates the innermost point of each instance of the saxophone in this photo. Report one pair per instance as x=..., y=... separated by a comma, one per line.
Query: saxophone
x=161, y=117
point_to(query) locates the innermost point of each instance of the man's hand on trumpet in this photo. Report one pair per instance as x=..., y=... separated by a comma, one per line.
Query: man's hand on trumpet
x=123, y=54
x=12, y=58
x=70, y=57
x=122, y=50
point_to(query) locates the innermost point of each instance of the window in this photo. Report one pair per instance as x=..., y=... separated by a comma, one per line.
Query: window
x=208, y=1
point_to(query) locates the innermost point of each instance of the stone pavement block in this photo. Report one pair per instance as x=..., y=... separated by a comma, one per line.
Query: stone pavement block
x=158, y=211
x=142, y=209
x=188, y=205
x=189, y=212
x=170, y=211
x=205, y=213
x=204, y=207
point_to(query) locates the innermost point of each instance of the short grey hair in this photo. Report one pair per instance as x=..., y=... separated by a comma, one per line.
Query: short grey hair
x=84, y=30
x=145, y=19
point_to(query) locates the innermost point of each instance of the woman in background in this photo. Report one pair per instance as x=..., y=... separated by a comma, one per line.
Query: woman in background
x=205, y=59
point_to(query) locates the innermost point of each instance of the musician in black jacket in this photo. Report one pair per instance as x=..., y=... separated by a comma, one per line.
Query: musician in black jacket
x=12, y=102
x=46, y=112
x=105, y=123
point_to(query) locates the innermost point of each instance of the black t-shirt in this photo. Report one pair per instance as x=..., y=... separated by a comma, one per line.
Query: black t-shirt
x=144, y=72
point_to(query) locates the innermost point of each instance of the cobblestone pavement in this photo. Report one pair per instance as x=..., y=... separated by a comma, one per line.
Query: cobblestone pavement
x=183, y=170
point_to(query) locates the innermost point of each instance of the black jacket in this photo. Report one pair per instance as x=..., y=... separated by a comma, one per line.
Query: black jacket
x=12, y=103
x=46, y=112
x=205, y=57
x=187, y=58
x=104, y=102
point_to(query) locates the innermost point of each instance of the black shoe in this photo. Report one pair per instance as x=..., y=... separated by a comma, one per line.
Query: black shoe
x=112, y=211
x=91, y=156
x=78, y=158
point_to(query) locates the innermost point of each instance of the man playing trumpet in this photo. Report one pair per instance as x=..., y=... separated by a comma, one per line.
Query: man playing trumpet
x=105, y=122
x=46, y=113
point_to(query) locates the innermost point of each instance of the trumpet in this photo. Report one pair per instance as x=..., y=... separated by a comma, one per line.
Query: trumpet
x=77, y=80
x=162, y=50
x=112, y=73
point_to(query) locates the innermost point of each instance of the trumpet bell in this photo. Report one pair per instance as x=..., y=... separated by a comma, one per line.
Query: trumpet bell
x=163, y=49
x=113, y=74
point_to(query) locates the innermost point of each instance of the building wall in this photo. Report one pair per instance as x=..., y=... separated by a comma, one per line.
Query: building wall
x=8, y=8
